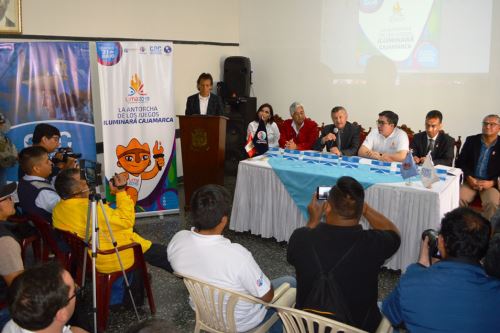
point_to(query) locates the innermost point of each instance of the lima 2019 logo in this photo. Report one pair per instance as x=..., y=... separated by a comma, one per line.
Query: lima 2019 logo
x=136, y=92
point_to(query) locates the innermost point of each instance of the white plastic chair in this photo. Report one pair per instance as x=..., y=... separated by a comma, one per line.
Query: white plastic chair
x=213, y=314
x=298, y=321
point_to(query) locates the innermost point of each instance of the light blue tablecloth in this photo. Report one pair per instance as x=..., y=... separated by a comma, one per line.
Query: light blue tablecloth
x=301, y=178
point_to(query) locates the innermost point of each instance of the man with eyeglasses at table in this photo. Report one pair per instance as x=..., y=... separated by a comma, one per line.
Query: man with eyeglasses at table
x=389, y=143
x=480, y=162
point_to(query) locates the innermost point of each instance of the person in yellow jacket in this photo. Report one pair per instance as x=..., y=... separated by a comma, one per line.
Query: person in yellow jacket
x=70, y=214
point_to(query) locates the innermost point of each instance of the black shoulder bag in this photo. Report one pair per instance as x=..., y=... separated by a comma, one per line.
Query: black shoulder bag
x=326, y=297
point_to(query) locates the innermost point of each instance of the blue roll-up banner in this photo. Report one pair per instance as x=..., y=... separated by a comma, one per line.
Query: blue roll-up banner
x=47, y=82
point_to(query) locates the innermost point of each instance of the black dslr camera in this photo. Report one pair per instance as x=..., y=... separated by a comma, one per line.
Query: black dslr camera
x=63, y=153
x=92, y=173
x=433, y=242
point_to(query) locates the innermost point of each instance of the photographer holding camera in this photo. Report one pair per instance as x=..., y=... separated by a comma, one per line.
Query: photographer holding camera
x=48, y=137
x=70, y=214
x=455, y=294
x=341, y=245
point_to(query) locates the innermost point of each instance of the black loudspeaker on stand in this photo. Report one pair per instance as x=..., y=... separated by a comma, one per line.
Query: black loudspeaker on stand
x=237, y=77
x=240, y=112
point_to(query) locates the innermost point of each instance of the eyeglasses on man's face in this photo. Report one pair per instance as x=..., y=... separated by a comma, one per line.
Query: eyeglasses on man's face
x=77, y=293
x=381, y=123
x=9, y=197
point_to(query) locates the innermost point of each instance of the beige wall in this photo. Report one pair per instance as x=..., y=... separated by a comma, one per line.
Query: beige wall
x=182, y=20
x=283, y=40
x=150, y=19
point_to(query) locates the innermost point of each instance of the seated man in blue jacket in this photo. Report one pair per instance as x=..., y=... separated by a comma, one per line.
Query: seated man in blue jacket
x=455, y=294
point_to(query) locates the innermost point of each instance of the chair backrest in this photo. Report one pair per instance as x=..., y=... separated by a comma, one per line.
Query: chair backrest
x=215, y=306
x=49, y=238
x=78, y=251
x=298, y=321
x=458, y=145
x=362, y=132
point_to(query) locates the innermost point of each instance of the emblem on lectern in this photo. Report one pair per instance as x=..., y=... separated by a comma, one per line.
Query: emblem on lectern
x=199, y=140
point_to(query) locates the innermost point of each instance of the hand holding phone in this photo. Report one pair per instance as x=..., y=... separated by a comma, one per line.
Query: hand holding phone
x=322, y=192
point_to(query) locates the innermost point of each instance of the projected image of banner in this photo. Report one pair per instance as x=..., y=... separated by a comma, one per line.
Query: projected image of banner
x=417, y=36
x=47, y=82
x=137, y=105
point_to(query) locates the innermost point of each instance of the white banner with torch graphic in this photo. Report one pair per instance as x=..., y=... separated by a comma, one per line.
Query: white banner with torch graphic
x=137, y=103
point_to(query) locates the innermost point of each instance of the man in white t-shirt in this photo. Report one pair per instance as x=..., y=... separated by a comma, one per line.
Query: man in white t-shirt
x=204, y=253
x=389, y=143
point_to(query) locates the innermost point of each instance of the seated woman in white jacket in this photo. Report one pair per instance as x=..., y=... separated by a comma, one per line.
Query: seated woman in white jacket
x=265, y=112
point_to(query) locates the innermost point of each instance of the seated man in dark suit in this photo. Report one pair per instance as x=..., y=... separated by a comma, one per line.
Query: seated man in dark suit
x=480, y=162
x=440, y=144
x=341, y=137
x=204, y=103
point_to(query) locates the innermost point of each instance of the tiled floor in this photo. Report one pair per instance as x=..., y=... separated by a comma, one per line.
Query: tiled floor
x=170, y=293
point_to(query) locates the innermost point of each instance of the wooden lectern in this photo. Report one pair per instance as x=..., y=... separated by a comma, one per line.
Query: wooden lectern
x=203, y=141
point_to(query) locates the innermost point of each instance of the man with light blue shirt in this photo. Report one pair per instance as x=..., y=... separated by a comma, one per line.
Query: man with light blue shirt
x=455, y=294
x=480, y=163
x=37, y=195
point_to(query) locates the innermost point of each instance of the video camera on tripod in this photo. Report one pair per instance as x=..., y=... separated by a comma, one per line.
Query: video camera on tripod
x=91, y=171
x=63, y=153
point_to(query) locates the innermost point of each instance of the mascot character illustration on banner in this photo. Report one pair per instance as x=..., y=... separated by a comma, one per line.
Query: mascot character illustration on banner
x=135, y=159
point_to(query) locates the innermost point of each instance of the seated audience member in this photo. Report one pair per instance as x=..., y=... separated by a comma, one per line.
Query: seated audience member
x=37, y=195
x=11, y=262
x=203, y=252
x=70, y=214
x=492, y=258
x=341, y=137
x=299, y=132
x=204, y=103
x=454, y=294
x=265, y=112
x=341, y=240
x=434, y=140
x=48, y=136
x=42, y=299
x=389, y=143
x=479, y=160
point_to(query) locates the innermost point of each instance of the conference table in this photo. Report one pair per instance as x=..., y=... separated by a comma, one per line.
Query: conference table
x=263, y=205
